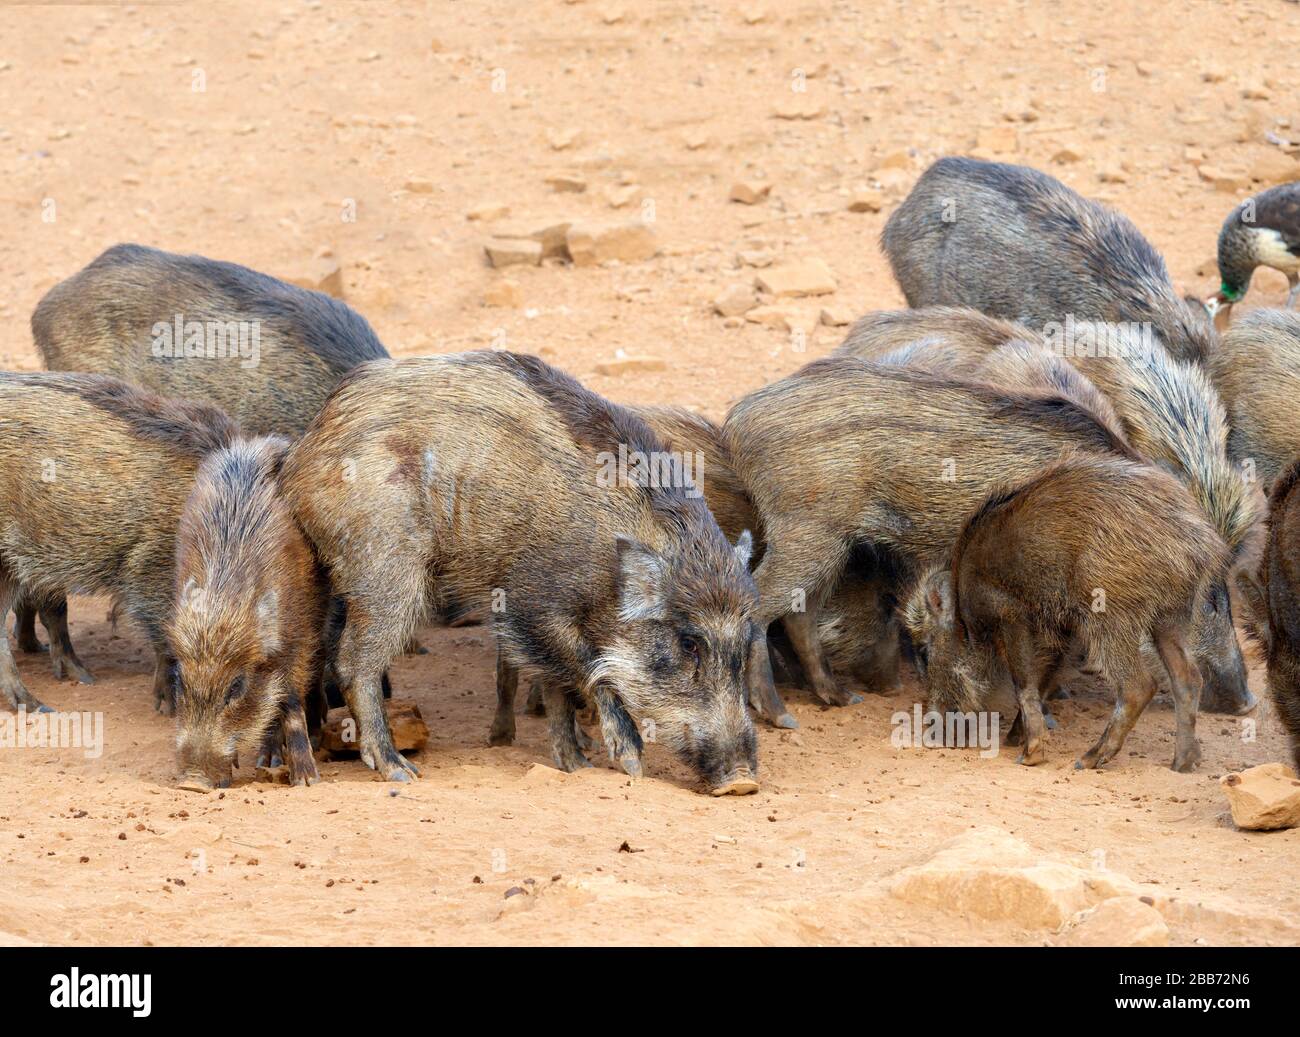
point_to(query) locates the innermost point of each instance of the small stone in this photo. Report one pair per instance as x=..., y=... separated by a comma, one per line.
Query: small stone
x=1145, y=69
x=1222, y=179
x=562, y=140
x=567, y=183
x=622, y=365
x=733, y=322
x=1118, y=922
x=589, y=245
x=419, y=185
x=1275, y=167
x=749, y=192
x=621, y=196
x=1264, y=797
x=1256, y=92
x=757, y=257
x=998, y=140
x=1067, y=156
x=504, y=293
x=866, y=199
x=735, y=300
x=796, y=279
x=799, y=107
x=895, y=160
x=503, y=252
x=695, y=139
x=836, y=316
x=488, y=211
x=323, y=274
x=1112, y=175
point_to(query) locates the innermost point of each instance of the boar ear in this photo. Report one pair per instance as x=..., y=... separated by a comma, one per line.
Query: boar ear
x=642, y=581
x=938, y=595
x=744, y=548
x=268, y=621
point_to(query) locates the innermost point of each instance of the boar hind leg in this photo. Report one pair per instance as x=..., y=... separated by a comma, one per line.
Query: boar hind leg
x=1185, y=682
x=801, y=628
x=12, y=689
x=1017, y=649
x=1135, y=686
x=503, y=724
x=63, y=657
x=618, y=729
x=25, y=627
x=535, y=706
x=562, y=721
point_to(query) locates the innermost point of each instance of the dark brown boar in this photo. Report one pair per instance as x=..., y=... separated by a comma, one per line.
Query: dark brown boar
x=1027, y=571
x=846, y=454
x=1280, y=578
x=93, y=476
x=246, y=628
x=492, y=479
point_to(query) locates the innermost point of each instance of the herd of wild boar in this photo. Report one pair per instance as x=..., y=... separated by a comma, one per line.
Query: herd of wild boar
x=1051, y=465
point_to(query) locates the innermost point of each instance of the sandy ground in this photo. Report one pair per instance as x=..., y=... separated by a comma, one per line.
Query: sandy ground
x=413, y=115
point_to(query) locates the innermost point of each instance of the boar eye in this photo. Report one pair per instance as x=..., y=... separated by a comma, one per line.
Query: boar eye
x=690, y=648
x=236, y=690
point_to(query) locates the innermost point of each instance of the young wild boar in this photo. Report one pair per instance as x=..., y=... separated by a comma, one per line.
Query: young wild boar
x=1018, y=244
x=857, y=627
x=1065, y=558
x=494, y=480
x=266, y=352
x=1281, y=579
x=250, y=607
x=892, y=460
x=93, y=476
x=1257, y=372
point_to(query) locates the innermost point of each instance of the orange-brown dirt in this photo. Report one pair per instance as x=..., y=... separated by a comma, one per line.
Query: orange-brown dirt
x=413, y=115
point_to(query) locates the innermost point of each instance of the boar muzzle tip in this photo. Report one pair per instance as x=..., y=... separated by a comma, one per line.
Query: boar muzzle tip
x=738, y=783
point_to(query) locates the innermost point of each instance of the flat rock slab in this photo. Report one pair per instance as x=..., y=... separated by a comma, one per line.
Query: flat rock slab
x=1264, y=798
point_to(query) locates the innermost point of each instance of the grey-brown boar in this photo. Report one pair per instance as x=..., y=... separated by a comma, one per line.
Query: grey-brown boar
x=493, y=479
x=264, y=351
x=857, y=628
x=1166, y=408
x=847, y=454
x=1065, y=559
x=93, y=476
x=1019, y=244
x=246, y=628
x=1257, y=373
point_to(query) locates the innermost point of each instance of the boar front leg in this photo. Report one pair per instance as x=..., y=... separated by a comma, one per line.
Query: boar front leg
x=562, y=722
x=503, y=724
x=297, y=745
x=1185, y=681
x=801, y=628
x=618, y=729
x=63, y=657
x=359, y=664
x=11, y=685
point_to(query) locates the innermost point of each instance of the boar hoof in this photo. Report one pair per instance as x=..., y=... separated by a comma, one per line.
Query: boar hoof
x=1032, y=757
x=1228, y=705
x=1049, y=720
x=503, y=731
x=389, y=762
x=1185, y=762
x=787, y=721
x=20, y=696
x=571, y=761
x=269, y=759
x=65, y=669
x=28, y=642
x=632, y=766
